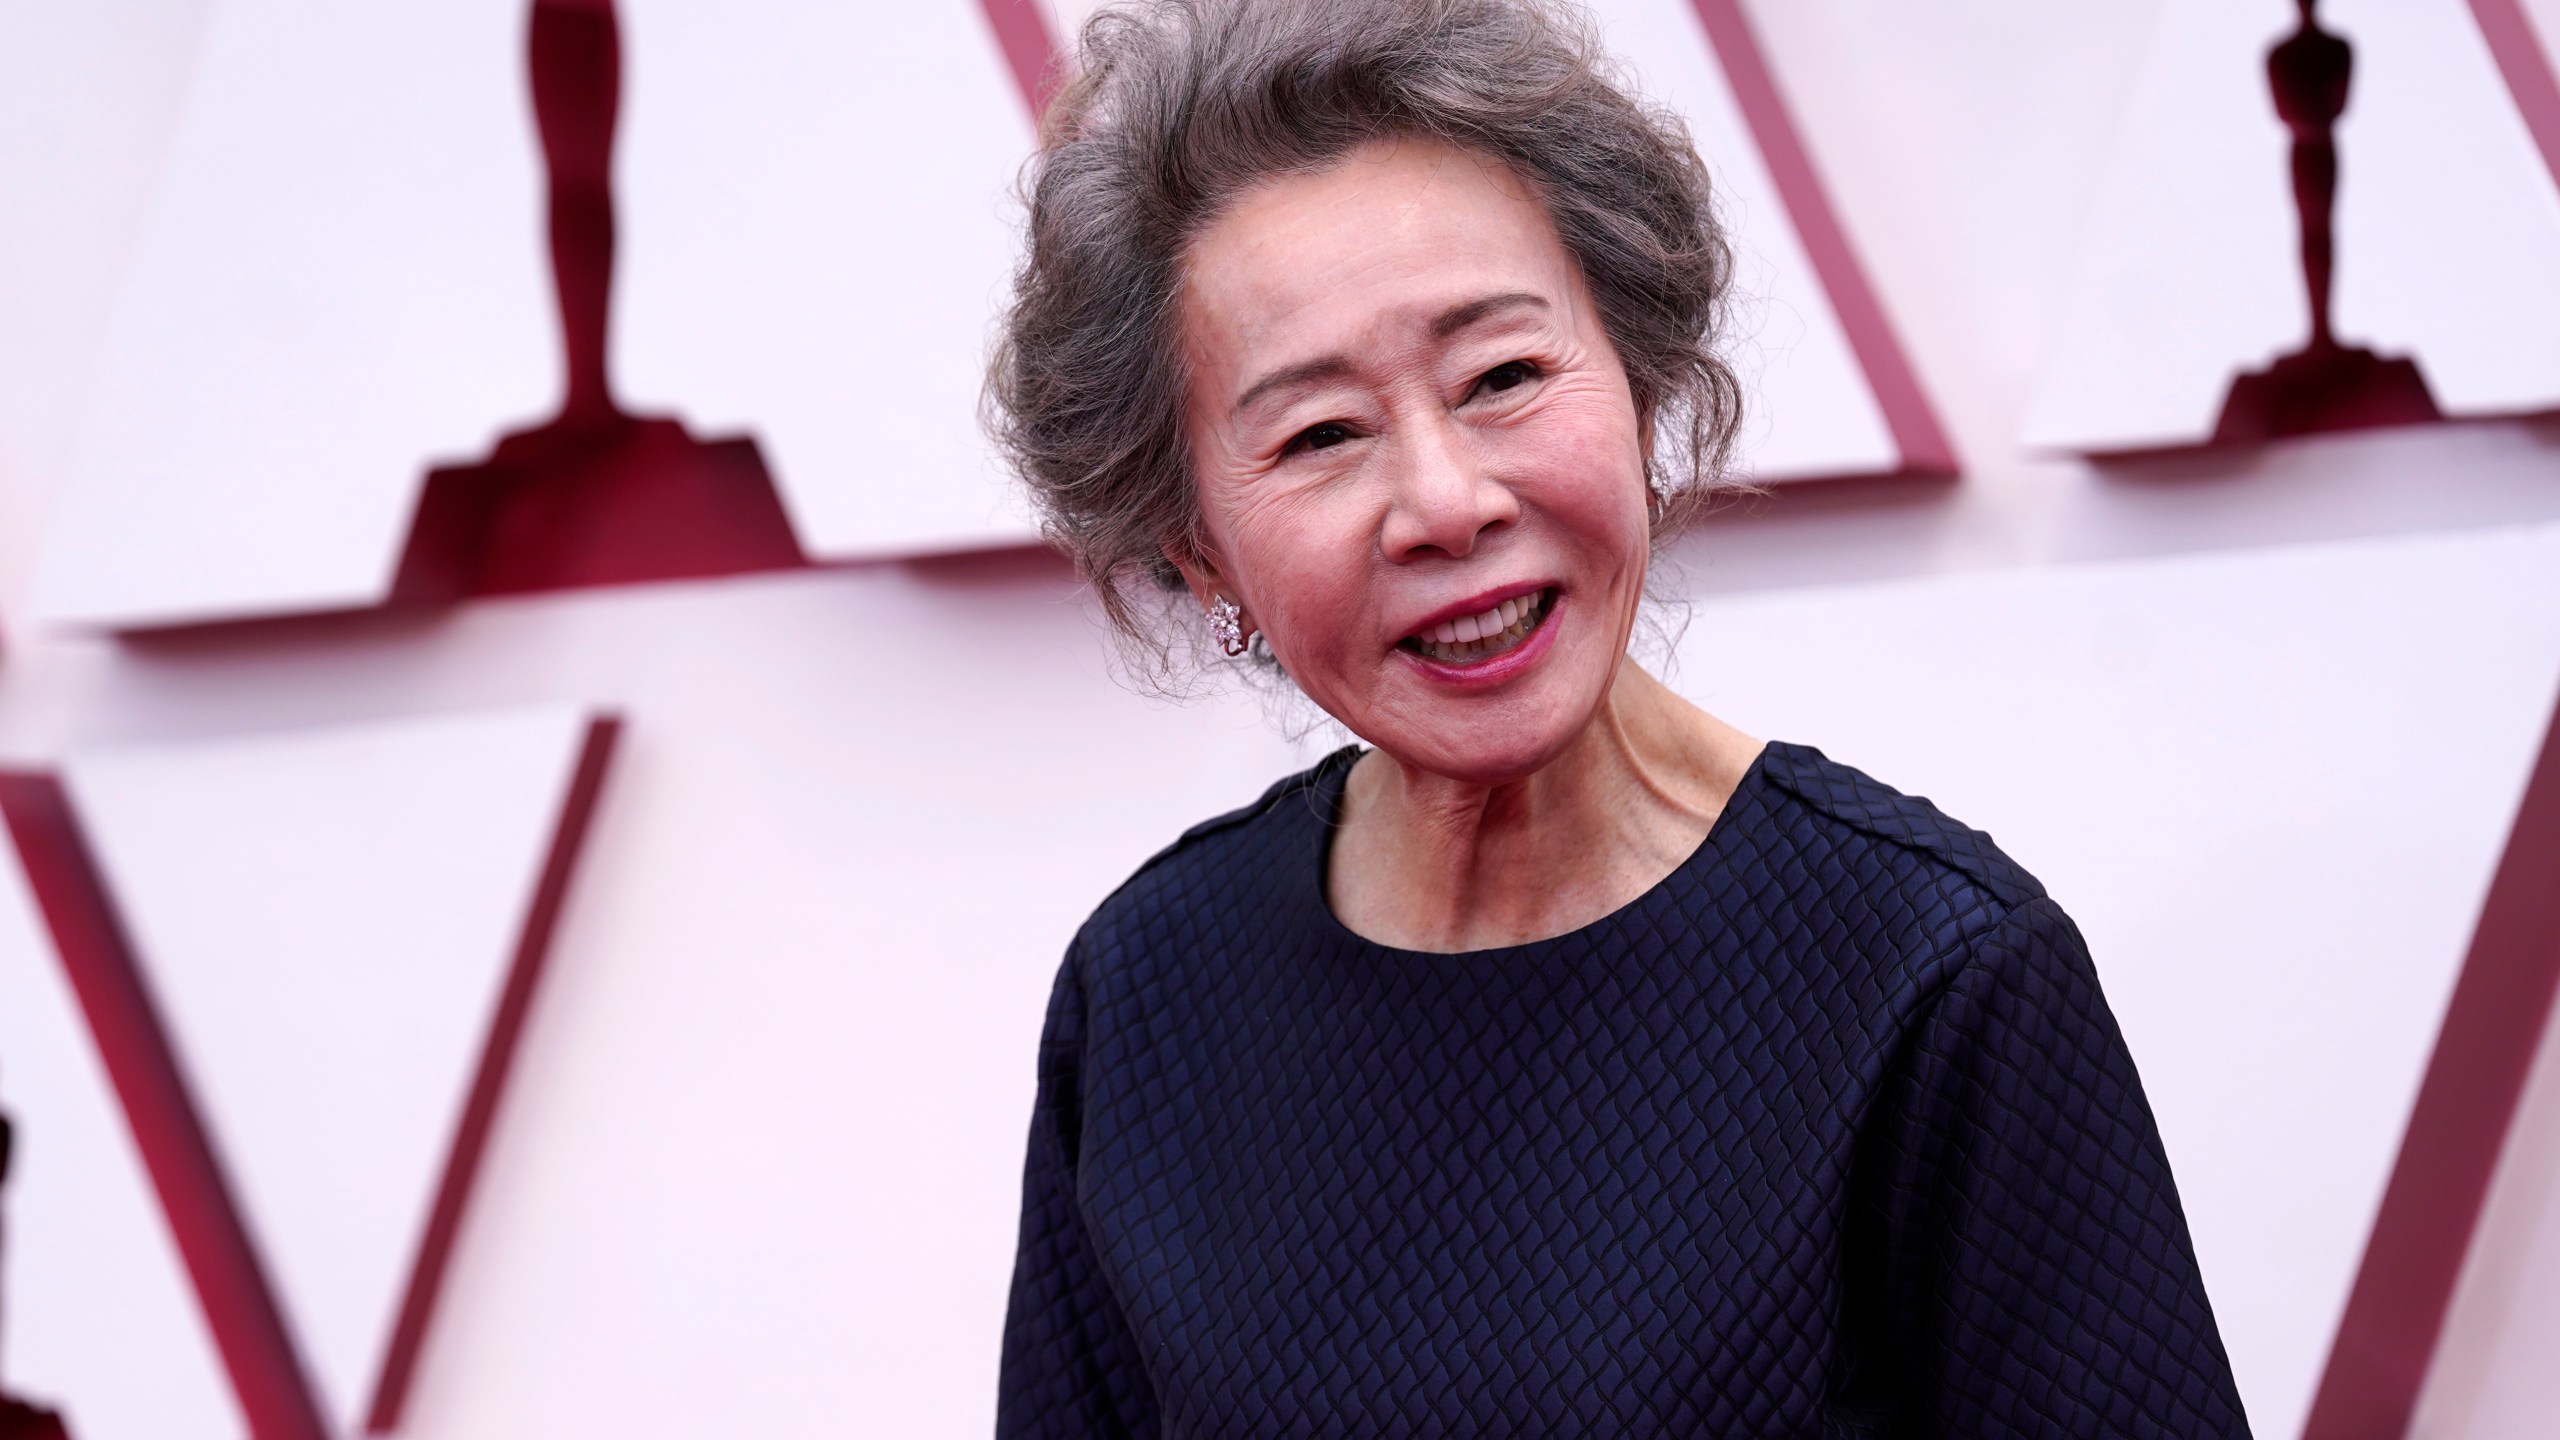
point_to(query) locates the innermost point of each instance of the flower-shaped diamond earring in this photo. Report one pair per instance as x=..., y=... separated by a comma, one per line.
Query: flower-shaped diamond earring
x=1227, y=623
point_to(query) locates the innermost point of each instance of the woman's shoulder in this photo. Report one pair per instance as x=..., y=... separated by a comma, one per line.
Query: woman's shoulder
x=1892, y=865
x=1211, y=865
x=1864, y=814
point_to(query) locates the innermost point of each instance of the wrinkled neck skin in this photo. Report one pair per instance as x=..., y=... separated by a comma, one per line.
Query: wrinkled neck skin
x=1423, y=862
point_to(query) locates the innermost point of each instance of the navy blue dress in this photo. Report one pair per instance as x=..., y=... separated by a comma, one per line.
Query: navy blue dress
x=1830, y=1133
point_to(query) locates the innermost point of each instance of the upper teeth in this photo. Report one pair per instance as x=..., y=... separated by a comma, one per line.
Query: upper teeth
x=1475, y=627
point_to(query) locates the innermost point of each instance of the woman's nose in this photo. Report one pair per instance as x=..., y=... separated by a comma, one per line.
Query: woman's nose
x=1441, y=498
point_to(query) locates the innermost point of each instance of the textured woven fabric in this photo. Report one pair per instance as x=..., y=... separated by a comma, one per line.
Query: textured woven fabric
x=1828, y=1134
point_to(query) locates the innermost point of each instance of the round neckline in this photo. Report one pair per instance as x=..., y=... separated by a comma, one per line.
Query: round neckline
x=1332, y=778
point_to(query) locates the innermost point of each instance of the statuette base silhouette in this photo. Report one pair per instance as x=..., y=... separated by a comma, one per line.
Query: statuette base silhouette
x=25, y=1422
x=2324, y=387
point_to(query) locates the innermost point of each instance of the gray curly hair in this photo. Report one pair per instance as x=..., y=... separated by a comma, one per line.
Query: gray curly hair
x=1176, y=106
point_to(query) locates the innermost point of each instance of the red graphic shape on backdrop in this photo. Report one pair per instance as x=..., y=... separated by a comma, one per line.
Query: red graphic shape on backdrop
x=232, y=1282
x=2466, y=1106
x=2208, y=237
x=2325, y=385
x=26, y=1422
x=1030, y=51
x=168, y=1127
x=1916, y=432
x=2526, y=67
x=595, y=496
x=489, y=1076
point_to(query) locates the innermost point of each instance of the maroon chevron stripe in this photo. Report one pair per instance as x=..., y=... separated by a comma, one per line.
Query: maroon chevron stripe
x=489, y=1079
x=1907, y=412
x=213, y=1238
x=2526, y=67
x=1022, y=32
x=2467, y=1103
x=240, y=1305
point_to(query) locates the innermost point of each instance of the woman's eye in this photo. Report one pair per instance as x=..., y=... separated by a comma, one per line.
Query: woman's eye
x=1320, y=437
x=1505, y=376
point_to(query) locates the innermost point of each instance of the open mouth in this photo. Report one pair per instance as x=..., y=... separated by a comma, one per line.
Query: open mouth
x=1473, y=639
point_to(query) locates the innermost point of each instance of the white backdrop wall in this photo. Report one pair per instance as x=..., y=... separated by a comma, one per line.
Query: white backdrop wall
x=2261, y=720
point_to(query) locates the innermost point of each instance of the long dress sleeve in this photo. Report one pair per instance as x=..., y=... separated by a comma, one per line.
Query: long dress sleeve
x=2026, y=1264
x=1071, y=1369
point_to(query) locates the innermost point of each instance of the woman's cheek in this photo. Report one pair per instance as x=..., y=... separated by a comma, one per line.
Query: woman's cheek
x=1321, y=612
x=1590, y=485
x=1300, y=533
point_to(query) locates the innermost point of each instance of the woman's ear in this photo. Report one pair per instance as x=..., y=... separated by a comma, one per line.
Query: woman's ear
x=1228, y=621
x=1199, y=574
x=1656, y=502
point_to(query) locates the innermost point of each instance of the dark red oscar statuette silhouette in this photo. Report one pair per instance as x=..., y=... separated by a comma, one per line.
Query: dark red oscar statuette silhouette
x=19, y=1420
x=2325, y=385
x=594, y=496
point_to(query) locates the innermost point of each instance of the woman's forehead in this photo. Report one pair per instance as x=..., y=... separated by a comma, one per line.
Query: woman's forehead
x=1397, y=237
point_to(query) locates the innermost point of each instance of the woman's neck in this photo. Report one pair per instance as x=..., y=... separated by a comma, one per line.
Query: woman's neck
x=1423, y=862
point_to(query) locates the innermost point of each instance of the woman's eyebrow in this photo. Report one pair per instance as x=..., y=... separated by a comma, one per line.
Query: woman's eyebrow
x=1330, y=367
x=1447, y=323
x=1459, y=317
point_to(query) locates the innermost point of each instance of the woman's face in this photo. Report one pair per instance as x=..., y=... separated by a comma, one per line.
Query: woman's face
x=1421, y=470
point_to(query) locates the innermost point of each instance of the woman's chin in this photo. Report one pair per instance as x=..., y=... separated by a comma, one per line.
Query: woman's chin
x=1490, y=739
x=1476, y=753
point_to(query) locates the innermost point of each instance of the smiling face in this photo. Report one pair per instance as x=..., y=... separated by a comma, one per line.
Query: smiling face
x=1420, y=468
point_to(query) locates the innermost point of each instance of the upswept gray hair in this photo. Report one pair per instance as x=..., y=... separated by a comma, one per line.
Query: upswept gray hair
x=1176, y=106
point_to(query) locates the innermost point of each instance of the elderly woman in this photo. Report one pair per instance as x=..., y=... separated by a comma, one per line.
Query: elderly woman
x=1564, y=1062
